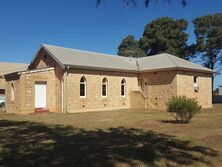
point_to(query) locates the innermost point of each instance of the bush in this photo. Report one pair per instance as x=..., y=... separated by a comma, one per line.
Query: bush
x=183, y=108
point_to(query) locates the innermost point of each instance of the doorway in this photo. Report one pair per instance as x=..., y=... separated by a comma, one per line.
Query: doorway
x=40, y=95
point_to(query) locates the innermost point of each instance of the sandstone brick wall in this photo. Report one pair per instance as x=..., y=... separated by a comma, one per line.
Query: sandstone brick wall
x=12, y=105
x=25, y=92
x=94, y=99
x=185, y=87
x=137, y=100
x=159, y=87
x=2, y=85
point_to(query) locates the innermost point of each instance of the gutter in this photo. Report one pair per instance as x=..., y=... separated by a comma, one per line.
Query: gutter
x=177, y=68
x=101, y=69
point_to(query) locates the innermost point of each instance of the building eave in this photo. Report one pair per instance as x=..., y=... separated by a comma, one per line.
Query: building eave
x=178, y=68
x=101, y=69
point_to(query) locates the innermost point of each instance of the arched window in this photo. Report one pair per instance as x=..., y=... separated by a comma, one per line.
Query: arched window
x=12, y=92
x=104, y=87
x=123, y=88
x=83, y=87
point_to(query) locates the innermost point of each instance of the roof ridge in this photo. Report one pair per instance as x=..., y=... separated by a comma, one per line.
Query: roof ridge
x=168, y=55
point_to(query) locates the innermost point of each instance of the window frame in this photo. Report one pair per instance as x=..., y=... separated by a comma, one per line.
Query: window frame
x=84, y=83
x=123, y=83
x=104, y=83
x=196, y=83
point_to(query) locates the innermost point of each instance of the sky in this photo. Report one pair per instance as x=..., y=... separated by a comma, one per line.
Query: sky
x=26, y=24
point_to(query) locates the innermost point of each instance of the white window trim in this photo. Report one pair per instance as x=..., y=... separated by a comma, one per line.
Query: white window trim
x=106, y=83
x=196, y=84
x=84, y=88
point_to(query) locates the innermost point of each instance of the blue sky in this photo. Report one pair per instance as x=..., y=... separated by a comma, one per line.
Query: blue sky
x=25, y=24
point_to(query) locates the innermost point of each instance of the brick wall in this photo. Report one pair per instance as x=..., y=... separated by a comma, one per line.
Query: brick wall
x=2, y=83
x=12, y=105
x=25, y=92
x=158, y=87
x=94, y=99
x=161, y=86
x=185, y=87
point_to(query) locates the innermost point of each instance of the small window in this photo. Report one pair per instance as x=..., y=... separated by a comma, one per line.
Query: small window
x=196, y=83
x=195, y=79
x=83, y=87
x=12, y=92
x=104, y=87
x=123, y=88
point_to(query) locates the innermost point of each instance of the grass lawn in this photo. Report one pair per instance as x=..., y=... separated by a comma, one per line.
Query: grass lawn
x=111, y=138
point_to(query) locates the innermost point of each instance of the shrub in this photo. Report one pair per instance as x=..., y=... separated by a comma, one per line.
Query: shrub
x=183, y=108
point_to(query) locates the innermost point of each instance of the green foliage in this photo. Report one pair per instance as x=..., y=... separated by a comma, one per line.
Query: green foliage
x=184, y=108
x=208, y=32
x=129, y=48
x=166, y=35
x=161, y=35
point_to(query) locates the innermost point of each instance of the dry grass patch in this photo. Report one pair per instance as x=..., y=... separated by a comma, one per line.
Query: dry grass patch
x=113, y=138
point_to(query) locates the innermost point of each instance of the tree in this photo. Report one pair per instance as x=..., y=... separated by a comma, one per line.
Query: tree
x=165, y=35
x=135, y=2
x=183, y=108
x=208, y=32
x=129, y=47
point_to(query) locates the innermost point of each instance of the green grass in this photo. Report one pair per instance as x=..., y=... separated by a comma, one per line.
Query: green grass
x=111, y=138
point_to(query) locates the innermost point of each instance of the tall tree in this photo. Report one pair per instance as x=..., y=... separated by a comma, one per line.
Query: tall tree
x=129, y=47
x=208, y=32
x=165, y=35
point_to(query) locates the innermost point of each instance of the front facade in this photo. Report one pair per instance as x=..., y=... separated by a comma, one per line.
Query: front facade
x=65, y=80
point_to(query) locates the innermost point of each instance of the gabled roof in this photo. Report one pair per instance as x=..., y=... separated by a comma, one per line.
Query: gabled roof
x=92, y=60
x=84, y=59
x=7, y=68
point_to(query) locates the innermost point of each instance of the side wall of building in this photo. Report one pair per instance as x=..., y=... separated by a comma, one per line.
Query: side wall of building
x=2, y=85
x=94, y=99
x=159, y=87
x=12, y=93
x=185, y=87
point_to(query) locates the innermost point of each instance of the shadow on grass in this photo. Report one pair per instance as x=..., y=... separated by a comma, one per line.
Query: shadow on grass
x=34, y=144
x=174, y=122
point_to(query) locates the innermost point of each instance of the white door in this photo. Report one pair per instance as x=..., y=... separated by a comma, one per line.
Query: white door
x=40, y=95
